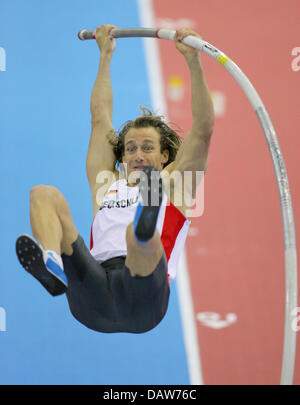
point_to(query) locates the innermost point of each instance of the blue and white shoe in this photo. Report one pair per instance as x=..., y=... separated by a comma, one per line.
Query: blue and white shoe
x=55, y=266
x=41, y=265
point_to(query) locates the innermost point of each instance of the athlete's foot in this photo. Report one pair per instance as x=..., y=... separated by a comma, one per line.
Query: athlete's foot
x=41, y=264
x=151, y=190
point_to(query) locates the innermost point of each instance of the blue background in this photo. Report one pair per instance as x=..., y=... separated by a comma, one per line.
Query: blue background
x=44, y=131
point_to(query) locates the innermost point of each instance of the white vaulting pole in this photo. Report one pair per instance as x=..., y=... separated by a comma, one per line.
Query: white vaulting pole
x=291, y=280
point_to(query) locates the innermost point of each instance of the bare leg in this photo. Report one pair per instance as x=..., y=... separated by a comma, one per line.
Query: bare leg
x=142, y=259
x=51, y=220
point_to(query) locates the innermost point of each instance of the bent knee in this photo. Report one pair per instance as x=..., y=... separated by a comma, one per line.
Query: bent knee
x=42, y=192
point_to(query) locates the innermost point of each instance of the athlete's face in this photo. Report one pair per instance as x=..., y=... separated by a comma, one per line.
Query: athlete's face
x=142, y=148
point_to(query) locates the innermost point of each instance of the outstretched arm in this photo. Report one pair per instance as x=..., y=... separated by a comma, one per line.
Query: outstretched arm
x=100, y=154
x=193, y=152
x=192, y=155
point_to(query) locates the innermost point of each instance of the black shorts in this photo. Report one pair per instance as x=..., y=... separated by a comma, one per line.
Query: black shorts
x=106, y=298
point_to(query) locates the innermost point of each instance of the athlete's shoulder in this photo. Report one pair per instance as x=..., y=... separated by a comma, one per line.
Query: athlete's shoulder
x=116, y=180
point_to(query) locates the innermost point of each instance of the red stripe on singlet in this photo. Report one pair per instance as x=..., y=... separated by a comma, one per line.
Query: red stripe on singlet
x=91, y=238
x=173, y=222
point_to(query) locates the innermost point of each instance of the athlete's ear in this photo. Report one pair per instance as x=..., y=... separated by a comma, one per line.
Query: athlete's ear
x=165, y=156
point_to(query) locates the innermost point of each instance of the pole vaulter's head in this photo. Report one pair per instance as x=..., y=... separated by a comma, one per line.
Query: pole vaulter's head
x=145, y=141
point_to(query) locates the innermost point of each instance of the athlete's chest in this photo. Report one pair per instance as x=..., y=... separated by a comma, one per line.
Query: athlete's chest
x=119, y=196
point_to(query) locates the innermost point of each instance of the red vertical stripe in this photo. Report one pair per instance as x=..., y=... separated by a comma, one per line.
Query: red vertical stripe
x=173, y=223
x=91, y=239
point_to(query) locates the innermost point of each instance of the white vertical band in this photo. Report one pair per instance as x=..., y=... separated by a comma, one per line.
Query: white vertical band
x=153, y=64
x=188, y=318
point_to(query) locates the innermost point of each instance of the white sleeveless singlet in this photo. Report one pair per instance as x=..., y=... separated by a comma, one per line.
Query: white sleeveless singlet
x=117, y=211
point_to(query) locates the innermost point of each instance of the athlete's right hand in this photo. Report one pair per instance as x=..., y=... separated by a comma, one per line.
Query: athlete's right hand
x=106, y=43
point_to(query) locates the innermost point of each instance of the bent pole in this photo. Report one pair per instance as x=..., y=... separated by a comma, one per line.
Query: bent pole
x=291, y=292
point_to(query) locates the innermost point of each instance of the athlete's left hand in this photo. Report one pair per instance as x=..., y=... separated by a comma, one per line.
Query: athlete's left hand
x=187, y=51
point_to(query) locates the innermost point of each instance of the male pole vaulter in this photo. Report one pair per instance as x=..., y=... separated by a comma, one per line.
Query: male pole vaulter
x=122, y=283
